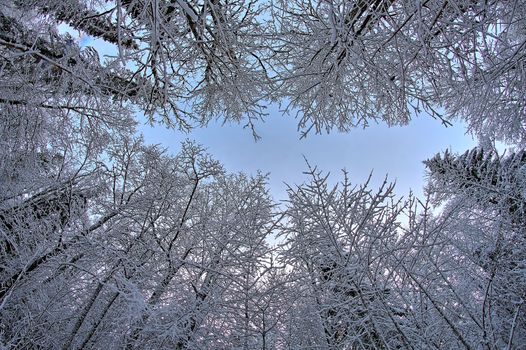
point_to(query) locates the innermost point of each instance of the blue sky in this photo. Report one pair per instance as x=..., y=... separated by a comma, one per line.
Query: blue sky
x=396, y=151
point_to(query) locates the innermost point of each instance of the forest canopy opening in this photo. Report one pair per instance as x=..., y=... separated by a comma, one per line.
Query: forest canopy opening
x=107, y=242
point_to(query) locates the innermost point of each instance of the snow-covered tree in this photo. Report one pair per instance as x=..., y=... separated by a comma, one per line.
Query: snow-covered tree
x=338, y=64
x=162, y=256
x=106, y=242
x=338, y=241
x=484, y=198
x=345, y=63
x=183, y=62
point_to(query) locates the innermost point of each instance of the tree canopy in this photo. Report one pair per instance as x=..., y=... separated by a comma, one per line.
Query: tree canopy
x=107, y=242
x=337, y=64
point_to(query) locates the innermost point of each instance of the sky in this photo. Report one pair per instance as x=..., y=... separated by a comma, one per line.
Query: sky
x=394, y=151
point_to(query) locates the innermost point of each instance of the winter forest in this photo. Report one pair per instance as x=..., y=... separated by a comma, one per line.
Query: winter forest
x=107, y=242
